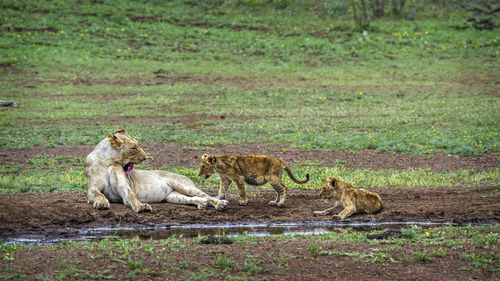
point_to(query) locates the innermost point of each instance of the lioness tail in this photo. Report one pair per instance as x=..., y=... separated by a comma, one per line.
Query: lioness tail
x=289, y=172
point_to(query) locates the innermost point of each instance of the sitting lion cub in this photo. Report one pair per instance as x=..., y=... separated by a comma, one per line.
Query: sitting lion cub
x=111, y=177
x=353, y=200
x=252, y=169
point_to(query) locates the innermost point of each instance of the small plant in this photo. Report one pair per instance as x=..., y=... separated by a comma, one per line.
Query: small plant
x=411, y=232
x=251, y=265
x=134, y=265
x=224, y=261
x=316, y=251
x=439, y=252
x=421, y=256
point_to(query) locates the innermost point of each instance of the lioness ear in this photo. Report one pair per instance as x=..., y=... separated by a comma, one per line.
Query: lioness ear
x=122, y=131
x=115, y=142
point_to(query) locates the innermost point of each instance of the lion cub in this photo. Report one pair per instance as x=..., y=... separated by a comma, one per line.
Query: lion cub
x=353, y=200
x=252, y=169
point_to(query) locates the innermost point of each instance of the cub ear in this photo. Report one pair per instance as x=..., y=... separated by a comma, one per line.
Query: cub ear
x=332, y=182
x=115, y=142
x=211, y=159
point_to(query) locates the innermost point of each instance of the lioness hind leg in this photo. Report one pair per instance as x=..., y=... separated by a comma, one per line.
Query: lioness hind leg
x=178, y=198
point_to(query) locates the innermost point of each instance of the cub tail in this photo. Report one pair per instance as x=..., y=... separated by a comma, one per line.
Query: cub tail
x=289, y=172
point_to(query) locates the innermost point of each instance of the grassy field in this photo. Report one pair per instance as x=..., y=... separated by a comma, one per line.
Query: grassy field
x=278, y=71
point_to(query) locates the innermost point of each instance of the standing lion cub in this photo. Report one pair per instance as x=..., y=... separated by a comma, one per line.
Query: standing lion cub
x=252, y=169
x=353, y=200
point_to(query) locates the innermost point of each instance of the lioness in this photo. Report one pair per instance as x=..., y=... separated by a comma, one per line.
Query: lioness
x=111, y=176
x=252, y=169
x=353, y=200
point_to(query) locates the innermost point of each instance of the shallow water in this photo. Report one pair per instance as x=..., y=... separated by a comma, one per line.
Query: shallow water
x=229, y=229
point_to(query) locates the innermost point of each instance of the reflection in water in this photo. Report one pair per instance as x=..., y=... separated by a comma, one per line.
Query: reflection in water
x=229, y=229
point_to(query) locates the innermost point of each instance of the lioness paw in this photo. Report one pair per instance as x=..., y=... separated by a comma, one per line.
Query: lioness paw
x=221, y=206
x=273, y=203
x=202, y=204
x=145, y=208
x=101, y=204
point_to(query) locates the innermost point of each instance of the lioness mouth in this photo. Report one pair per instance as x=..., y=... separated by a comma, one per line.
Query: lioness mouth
x=128, y=168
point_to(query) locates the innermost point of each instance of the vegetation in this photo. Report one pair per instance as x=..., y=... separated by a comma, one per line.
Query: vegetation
x=419, y=81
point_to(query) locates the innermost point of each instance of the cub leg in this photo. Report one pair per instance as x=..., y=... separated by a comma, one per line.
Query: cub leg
x=119, y=179
x=241, y=189
x=224, y=187
x=349, y=210
x=178, y=198
x=281, y=192
x=326, y=212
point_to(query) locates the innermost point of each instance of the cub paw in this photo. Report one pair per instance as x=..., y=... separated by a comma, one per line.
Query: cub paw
x=243, y=203
x=318, y=213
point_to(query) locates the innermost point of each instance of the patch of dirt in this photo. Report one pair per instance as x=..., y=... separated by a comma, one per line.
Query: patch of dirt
x=188, y=120
x=174, y=155
x=59, y=210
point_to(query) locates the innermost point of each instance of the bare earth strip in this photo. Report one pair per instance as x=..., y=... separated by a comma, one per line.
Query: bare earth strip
x=174, y=155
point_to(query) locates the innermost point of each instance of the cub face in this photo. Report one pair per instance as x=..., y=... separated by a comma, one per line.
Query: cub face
x=128, y=147
x=207, y=165
x=328, y=189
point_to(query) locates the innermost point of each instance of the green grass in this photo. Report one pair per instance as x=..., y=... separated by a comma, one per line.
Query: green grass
x=281, y=71
x=65, y=173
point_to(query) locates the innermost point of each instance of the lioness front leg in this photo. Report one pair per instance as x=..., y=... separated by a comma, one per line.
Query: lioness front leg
x=100, y=202
x=119, y=179
x=326, y=212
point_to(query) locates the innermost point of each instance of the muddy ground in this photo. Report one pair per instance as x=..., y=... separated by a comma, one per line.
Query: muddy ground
x=52, y=211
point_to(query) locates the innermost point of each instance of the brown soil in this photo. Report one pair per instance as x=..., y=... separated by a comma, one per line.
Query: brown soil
x=174, y=155
x=55, y=210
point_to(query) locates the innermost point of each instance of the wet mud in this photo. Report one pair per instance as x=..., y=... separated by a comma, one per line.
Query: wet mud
x=54, y=216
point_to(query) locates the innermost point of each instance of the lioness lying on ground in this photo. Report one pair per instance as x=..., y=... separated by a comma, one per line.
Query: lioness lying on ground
x=252, y=169
x=111, y=177
x=353, y=200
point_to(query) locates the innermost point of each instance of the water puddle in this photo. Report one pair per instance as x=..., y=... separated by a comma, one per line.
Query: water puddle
x=231, y=229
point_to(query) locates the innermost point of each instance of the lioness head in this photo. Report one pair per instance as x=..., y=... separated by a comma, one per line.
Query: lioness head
x=129, y=151
x=329, y=188
x=207, y=165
